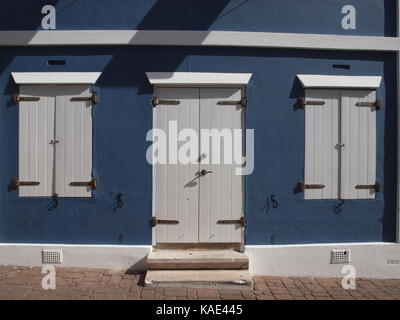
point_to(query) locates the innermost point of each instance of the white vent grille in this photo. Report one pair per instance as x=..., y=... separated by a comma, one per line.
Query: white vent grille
x=340, y=256
x=52, y=256
x=393, y=262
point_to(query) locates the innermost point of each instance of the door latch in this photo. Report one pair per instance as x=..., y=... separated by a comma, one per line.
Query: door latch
x=204, y=172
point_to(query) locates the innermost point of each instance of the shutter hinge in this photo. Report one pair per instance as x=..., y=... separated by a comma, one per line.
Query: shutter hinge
x=94, y=98
x=156, y=101
x=302, y=102
x=15, y=183
x=301, y=186
x=154, y=222
x=17, y=98
x=376, y=186
x=94, y=184
x=242, y=102
x=241, y=221
x=377, y=104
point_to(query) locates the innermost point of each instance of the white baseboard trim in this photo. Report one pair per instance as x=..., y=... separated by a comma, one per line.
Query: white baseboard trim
x=78, y=256
x=369, y=259
x=312, y=260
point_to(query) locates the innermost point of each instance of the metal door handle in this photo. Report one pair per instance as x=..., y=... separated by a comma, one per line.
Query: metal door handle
x=339, y=145
x=204, y=172
x=54, y=141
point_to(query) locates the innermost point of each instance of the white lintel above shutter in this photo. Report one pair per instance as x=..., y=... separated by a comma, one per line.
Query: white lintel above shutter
x=36, y=130
x=358, y=161
x=74, y=133
x=321, y=137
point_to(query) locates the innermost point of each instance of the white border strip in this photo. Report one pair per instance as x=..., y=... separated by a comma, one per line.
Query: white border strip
x=328, y=81
x=370, y=260
x=119, y=257
x=197, y=78
x=197, y=38
x=55, y=77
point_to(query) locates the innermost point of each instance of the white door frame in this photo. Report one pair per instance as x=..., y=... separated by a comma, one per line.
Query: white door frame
x=154, y=125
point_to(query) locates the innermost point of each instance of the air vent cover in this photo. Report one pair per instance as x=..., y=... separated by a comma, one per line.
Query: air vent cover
x=52, y=256
x=339, y=256
x=393, y=262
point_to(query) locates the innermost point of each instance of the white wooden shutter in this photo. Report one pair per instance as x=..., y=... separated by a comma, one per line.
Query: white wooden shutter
x=36, y=130
x=74, y=135
x=321, y=138
x=358, y=160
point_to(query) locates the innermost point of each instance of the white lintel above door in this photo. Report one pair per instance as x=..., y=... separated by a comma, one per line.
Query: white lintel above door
x=198, y=78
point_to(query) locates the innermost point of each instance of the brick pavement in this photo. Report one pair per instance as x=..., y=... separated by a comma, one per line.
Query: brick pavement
x=75, y=283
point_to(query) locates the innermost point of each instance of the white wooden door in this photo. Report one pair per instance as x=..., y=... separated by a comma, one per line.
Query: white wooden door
x=188, y=205
x=221, y=190
x=176, y=186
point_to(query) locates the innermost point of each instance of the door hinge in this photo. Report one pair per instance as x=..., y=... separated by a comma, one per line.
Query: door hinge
x=156, y=101
x=17, y=98
x=301, y=186
x=15, y=183
x=241, y=221
x=94, y=98
x=302, y=102
x=377, y=104
x=376, y=186
x=155, y=221
x=242, y=102
x=94, y=184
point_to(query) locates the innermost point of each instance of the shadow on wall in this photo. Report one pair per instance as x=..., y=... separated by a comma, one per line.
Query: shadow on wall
x=165, y=15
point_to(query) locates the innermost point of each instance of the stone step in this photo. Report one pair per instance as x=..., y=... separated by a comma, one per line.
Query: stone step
x=217, y=279
x=197, y=260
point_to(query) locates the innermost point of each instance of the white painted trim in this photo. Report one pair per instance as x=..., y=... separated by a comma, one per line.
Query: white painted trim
x=197, y=38
x=328, y=81
x=313, y=260
x=29, y=78
x=198, y=78
x=79, y=256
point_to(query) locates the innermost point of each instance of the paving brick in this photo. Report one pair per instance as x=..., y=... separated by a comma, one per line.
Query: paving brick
x=175, y=292
x=207, y=293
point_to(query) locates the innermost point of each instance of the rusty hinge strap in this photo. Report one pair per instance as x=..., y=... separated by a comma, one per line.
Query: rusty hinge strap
x=94, y=98
x=93, y=183
x=377, y=104
x=376, y=186
x=241, y=221
x=155, y=221
x=17, y=98
x=301, y=186
x=15, y=183
x=242, y=102
x=156, y=101
x=302, y=102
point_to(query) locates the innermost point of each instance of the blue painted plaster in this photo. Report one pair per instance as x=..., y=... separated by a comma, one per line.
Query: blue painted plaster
x=374, y=17
x=124, y=115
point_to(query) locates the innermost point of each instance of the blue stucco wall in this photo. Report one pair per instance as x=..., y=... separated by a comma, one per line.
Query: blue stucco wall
x=124, y=116
x=374, y=17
